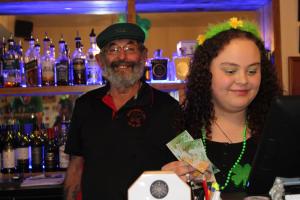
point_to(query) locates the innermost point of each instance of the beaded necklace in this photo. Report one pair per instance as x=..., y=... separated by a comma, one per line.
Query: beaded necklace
x=203, y=131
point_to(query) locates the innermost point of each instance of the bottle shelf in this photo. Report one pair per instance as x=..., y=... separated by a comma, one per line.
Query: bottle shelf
x=78, y=89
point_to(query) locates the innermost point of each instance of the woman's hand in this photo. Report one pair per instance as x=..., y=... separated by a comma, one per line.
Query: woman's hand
x=184, y=170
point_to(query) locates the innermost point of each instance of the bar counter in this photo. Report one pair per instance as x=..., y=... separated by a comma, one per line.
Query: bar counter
x=11, y=188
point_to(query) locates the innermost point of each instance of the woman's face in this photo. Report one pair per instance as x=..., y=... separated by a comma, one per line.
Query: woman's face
x=236, y=76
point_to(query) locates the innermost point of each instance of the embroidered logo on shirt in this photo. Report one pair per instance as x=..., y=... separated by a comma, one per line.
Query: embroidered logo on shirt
x=136, y=117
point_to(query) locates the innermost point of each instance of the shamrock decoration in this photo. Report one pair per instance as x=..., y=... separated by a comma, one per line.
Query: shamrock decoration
x=241, y=174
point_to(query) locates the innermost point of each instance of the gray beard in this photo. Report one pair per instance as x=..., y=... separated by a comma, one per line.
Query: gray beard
x=122, y=81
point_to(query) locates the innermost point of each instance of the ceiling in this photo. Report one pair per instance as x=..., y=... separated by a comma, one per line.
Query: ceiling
x=21, y=7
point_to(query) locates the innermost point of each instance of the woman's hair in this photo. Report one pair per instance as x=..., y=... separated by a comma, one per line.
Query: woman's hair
x=198, y=107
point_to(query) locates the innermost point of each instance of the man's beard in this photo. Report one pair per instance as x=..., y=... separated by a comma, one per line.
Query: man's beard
x=123, y=80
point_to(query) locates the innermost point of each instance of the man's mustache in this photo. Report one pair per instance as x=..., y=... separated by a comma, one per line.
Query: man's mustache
x=116, y=64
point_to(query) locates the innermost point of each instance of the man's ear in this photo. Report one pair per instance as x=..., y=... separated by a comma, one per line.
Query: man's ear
x=99, y=60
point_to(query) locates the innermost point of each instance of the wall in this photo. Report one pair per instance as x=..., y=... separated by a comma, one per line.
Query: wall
x=289, y=35
x=167, y=28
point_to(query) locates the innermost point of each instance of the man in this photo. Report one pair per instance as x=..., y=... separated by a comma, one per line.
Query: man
x=118, y=131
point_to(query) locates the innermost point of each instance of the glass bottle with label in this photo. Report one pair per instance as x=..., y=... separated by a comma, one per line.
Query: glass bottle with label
x=63, y=157
x=2, y=52
x=19, y=50
x=8, y=152
x=62, y=64
x=31, y=65
x=93, y=70
x=22, y=147
x=51, y=152
x=37, y=149
x=11, y=66
x=37, y=49
x=159, y=66
x=47, y=63
x=182, y=63
x=78, y=63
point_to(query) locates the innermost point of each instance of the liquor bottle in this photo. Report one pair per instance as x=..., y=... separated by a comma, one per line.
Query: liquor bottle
x=93, y=70
x=19, y=50
x=63, y=157
x=47, y=63
x=78, y=63
x=37, y=149
x=22, y=147
x=8, y=152
x=37, y=50
x=2, y=135
x=2, y=52
x=70, y=66
x=159, y=66
x=11, y=66
x=51, y=152
x=62, y=65
x=52, y=50
x=147, y=72
x=31, y=65
x=182, y=63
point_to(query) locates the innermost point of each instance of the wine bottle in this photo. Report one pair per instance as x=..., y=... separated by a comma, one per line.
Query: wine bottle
x=8, y=152
x=51, y=152
x=22, y=147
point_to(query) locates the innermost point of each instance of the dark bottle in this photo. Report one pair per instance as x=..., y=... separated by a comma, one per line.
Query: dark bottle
x=8, y=152
x=22, y=147
x=63, y=157
x=2, y=52
x=62, y=65
x=51, y=152
x=37, y=149
x=78, y=64
x=159, y=66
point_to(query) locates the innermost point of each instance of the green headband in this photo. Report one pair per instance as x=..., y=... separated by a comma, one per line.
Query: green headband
x=233, y=23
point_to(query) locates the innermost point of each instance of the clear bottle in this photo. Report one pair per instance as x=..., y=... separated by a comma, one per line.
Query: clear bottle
x=78, y=63
x=22, y=147
x=71, y=77
x=159, y=66
x=11, y=66
x=19, y=50
x=62, y=64
x=182, y=63
x=37, y=49
x=8, y=152
x=31, y=65
x=63, y=157
x=94, y=75
x=47, y=63
x=52, y=50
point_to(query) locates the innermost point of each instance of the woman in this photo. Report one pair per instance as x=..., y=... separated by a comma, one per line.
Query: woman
x=229, y=90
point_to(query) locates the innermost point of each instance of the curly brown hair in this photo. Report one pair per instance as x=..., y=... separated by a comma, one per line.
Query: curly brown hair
x=198, y=109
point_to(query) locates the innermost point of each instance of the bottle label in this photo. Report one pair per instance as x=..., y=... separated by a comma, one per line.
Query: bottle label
x=62, y=71
x=159, y=69
x=22, y=153
x=31, y=73
x=11, y=64
x=50, y=160
x=8, y=158
x=47, y=71
x=36, y=155
x=63, y=157
x=79, y=71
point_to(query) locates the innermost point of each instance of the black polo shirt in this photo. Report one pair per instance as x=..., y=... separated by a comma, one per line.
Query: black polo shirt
x=118, y=146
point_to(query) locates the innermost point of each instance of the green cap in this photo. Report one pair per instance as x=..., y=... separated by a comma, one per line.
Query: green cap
x=120, y=31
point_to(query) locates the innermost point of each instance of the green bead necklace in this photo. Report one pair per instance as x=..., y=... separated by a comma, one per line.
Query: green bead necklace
x=238, y=159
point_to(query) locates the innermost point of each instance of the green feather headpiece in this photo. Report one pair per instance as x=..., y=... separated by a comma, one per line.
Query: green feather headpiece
x=234, y=23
